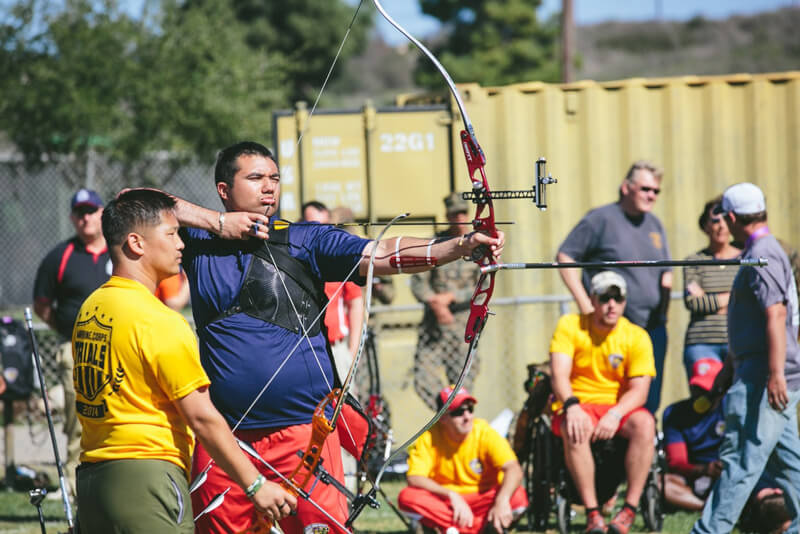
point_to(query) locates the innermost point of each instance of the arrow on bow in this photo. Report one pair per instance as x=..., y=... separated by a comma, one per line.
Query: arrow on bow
x=751, y=262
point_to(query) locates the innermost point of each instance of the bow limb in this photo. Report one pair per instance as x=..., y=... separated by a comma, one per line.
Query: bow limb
x=362, y=501
x=482, y=222
x=476, y=161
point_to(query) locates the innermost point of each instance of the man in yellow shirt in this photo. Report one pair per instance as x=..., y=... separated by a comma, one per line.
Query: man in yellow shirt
x=462, y=475
x=141, y=392
x=602, y=365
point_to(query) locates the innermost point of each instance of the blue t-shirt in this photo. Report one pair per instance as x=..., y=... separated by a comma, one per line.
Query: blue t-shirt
x=243, y=355
x=702, y=433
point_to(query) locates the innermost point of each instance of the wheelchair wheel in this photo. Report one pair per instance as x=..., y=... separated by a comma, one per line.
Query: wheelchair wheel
x=564, y=512
x=540, y=493
x=652, y=508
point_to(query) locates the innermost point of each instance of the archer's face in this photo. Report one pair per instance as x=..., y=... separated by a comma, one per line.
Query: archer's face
x=256, y=186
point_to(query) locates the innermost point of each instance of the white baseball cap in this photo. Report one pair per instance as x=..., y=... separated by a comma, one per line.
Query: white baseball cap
x=602, y=282
x=744, y=199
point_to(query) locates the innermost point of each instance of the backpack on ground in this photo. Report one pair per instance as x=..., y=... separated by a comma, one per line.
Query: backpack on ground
x=16, y=359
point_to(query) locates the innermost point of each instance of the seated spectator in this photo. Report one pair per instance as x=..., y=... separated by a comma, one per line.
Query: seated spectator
x=462, y=475
x=602, y=365
x=693, y=432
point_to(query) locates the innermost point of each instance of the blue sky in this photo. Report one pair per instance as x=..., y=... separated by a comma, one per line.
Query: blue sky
x=407, y=13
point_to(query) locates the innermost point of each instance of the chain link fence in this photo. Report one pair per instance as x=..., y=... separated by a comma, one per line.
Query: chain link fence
x=34, y=210
x=34, y=206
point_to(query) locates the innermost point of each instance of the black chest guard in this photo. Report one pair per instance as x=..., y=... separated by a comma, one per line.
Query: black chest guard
x=264, y=297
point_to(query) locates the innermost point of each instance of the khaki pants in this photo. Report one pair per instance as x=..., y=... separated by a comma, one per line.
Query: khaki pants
x=72, y=429
x=133, y=497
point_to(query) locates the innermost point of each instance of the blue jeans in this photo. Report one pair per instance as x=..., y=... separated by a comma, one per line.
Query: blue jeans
x=698, y=351
x=658, y=335
x=757, y=437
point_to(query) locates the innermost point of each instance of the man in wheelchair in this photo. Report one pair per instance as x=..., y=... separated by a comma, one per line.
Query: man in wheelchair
x=602, y=366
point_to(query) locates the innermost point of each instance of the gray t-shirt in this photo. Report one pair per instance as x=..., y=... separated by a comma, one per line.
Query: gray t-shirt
x=608, y=234
x=755, y=289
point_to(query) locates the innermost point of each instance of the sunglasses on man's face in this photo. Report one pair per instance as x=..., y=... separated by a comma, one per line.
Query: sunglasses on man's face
x=608, y=296
x=458, y=412
x=80, y=211
x=648, y=189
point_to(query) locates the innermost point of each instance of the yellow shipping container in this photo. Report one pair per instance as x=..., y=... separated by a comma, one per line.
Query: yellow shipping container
x=705, y=132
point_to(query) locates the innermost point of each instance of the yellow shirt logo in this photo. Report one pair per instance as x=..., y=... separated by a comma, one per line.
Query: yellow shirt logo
x=655, y=237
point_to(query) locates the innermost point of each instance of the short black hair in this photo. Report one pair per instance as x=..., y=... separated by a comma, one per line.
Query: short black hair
x=226, y=168
x=134, y=209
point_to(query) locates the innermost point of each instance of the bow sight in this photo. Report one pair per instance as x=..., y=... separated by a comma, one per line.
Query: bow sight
x=538, y=192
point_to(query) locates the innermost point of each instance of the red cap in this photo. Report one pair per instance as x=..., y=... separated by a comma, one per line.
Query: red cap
x=704, y=372
x=458, y=400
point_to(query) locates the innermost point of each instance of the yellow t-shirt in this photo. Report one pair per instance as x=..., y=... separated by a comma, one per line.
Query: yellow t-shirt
x=602, y=364
x=133, y=357
x=472, y=466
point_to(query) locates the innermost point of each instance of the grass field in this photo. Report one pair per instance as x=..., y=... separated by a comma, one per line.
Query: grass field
x=18, y=516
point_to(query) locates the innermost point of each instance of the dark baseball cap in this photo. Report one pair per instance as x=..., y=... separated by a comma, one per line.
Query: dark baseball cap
x=86, y=197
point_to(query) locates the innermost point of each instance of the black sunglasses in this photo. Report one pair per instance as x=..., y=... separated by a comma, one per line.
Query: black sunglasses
x=458, y=412
x=80, y=211
x=608, y=296
x=647, y=189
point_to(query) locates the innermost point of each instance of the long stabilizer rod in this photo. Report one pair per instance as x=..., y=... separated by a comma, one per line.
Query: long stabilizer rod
x=752, y=262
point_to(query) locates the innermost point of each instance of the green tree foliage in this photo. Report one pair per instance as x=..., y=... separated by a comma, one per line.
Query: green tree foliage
x=492, y=42
x=184, y=76
x=63, y=76
x=308, y=34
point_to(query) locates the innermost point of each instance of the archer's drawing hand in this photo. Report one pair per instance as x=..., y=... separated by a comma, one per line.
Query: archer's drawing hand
x=244, y=224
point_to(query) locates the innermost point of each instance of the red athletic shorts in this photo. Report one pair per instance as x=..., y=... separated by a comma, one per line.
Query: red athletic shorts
x=436, y=512
x=279, y=448
x=595, y=411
